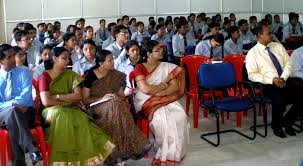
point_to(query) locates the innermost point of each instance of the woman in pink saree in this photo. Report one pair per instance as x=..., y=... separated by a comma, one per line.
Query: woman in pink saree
x=159, y=87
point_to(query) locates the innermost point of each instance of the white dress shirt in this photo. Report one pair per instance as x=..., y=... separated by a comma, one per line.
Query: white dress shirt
x=82, y=65
x=126, y=67
x=165, y=38
x=288, y=31
x=108, y=42
x=178, y=43
x=230, y=47
x=260, y=67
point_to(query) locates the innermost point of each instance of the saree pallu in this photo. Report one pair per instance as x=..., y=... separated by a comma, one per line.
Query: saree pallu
x=168, y=121
x=115, y=119
x=75, y=140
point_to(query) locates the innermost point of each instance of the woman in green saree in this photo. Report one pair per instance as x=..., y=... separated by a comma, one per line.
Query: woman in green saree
x=75, y=140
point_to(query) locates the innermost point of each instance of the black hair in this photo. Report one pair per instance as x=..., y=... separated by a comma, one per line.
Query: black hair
x=291, y=16
x=182, y=18
x=125, y=17
x=57, y=22
x=131, y=43
x=101, y=21
x=27, y=26
x=139, y=23
x=152, y=23
x=16, y=30
x=87, y=28
x=232, y=14
x=56, y=51
x=44, y=47
x=71, y=26
x=148, y=49
x=68, y=36
x=151, y=18
x=252, y=18
x=167, y=22
x=160, y=19
x=218, y=38
x=118, y=29
x=267, y=16
x=100, y=57
x=159, y=26
x=82, y=20
x=40, y=24
x=78, y=22
x=231, y=30
x=109, y=26
x=241, y=22
x=20, y=34
x=176, y=18
x=213, y=25
x=88, y=41
x=226, y=19
x=181, y=23
x=4, y=47
x=259, y=29
x=118, y=20
x=226, y=22
x=276, y=16
x=169, y=18
x=16, y=49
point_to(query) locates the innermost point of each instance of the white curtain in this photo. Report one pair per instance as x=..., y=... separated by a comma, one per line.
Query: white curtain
x=2, y=31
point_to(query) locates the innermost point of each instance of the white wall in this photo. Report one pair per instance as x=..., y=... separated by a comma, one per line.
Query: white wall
x=68, y=11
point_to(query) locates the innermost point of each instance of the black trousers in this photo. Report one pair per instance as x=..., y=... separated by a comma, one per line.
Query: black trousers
x=17, y=124
x=281, y=97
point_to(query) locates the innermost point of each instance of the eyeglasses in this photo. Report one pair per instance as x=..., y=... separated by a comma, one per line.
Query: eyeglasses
x=124, y=33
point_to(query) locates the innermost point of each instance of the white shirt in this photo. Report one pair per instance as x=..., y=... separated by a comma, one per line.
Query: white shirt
x=297, y=63
x=82, y=65
x=126, y=67
x=140, y=37
x=288, y=31
x=230, y=47
x=108, y=42
x=260, y=67
x=178, y=43
x=246, y=38
x=33, y=56
x=115, y=48
x=165, y=38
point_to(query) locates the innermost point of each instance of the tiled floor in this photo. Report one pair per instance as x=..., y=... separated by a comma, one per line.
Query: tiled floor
x=236, y=150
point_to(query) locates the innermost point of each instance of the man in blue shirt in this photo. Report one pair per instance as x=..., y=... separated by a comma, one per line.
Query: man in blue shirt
x=16, y=105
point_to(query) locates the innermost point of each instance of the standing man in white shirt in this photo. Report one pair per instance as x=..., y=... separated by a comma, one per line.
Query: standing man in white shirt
x=268, y=63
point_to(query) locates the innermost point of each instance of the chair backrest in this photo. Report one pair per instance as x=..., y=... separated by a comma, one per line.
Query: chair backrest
x=37, y=102
x=237, y=60
x=215, y=76
x=191, y=65
x=169, y=48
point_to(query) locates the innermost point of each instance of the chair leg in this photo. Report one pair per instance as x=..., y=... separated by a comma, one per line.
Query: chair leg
x=265, y=123
x=203, y=136
x=42, y=145
x=222, y=117
x=187, y=104
x=3, y=141
x=245, y=113
x=196, y=111
x=227, y=115
x=239, y=119
x=261, y=110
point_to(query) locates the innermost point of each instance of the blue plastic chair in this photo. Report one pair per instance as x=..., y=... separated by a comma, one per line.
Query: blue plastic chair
x=221, y=76
x=169, y=52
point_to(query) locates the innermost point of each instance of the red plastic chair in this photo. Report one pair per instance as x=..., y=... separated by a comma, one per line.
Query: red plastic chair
x=295, y=38
x=237, y=60
x=37, y=134
x=191, y=65
x=289, y=52
x=142, y=122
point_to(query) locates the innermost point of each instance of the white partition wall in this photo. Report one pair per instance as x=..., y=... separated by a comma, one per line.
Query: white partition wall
x=68, y=11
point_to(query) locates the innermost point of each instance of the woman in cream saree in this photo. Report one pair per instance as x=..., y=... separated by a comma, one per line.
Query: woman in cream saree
x=159, y=86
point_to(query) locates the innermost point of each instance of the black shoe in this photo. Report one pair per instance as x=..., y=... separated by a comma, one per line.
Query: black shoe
x=290, y=131
x=36, y=157
x=279, y=132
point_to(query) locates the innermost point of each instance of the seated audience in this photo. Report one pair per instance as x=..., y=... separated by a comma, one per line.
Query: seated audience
x=268, y=63
x=231, y=45
x=103, y=82
x=212, y=47
x=16, y=106
x=73, y=137
x=159, y=87
x=88, y=60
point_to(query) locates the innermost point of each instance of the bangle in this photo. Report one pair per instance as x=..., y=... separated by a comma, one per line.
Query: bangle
x=57, y=96
x=165, y=84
